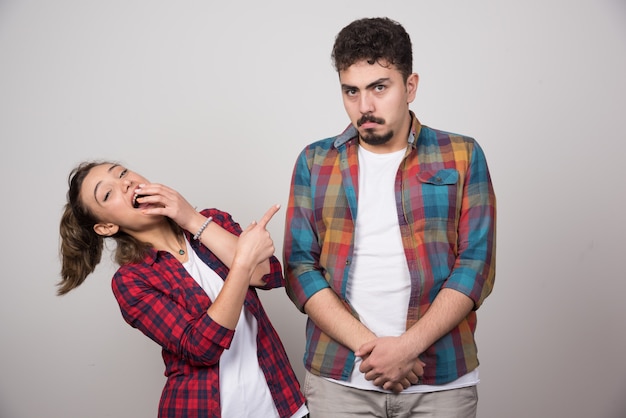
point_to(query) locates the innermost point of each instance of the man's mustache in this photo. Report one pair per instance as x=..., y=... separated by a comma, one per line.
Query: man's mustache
x=369, y=118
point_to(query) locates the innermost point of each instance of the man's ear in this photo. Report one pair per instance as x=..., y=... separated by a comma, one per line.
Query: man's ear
x=106, y=229
x=411, y=86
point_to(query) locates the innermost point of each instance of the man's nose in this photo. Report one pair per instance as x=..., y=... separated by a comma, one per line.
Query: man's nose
x=366, y=105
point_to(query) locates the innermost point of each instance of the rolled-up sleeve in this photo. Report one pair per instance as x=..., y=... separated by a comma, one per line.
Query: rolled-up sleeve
x=199, y=340
x=274, y=278
x=301, y=251
x=473, y=273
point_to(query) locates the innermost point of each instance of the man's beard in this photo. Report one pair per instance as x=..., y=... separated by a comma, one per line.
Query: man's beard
x=371, y=138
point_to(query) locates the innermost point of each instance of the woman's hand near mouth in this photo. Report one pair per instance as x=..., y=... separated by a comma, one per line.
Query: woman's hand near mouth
x=158, y=199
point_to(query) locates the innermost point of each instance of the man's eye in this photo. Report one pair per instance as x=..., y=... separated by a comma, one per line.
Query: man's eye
x=380, y=88
x=123, y=173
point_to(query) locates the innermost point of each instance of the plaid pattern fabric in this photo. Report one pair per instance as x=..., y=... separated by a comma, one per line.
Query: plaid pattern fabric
x=163, y=301
x=447, y=216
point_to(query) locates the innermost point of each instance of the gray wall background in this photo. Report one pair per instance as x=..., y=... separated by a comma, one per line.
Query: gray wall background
x=217, y=98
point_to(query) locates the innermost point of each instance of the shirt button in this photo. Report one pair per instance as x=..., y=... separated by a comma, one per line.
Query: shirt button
x=347, y=262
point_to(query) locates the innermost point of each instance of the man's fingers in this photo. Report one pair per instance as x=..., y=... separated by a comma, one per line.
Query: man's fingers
x=268, y=215
x=412, y=378
x=418, y=368
x=394, y=387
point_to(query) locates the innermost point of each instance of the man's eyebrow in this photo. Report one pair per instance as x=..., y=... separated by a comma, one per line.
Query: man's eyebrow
x=377, y=82
x=95, y=190
x=369, y=86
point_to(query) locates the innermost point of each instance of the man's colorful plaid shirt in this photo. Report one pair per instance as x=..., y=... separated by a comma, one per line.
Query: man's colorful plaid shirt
x=447, y=217
x=159, y=297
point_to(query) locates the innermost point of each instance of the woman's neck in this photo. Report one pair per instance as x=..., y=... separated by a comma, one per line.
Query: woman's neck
x=164, y=238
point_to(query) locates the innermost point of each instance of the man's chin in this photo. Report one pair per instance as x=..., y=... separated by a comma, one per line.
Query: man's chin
x=374, y=139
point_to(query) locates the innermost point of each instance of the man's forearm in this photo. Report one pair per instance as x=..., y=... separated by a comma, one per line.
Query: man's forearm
x=331, y=316
x=448, y=309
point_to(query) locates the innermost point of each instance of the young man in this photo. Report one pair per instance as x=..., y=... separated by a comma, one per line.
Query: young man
x=389, y=245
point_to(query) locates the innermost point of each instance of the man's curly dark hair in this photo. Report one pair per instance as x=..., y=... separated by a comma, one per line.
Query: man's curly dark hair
x=376, y=40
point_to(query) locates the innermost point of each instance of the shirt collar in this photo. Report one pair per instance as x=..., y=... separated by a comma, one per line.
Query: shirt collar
x=349, y=133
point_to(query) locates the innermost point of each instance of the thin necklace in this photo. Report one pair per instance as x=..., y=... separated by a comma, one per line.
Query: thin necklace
x=181, y=251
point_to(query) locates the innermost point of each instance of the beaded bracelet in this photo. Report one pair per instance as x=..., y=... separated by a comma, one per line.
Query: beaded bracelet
x=203, y=227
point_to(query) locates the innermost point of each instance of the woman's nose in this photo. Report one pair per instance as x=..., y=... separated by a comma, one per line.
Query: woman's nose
x=126, y=183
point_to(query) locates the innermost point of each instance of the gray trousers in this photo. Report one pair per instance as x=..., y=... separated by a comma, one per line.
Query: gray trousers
x=331, y=400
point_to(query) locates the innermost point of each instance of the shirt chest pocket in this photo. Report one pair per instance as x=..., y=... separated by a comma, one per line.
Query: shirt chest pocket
x=188, y=294
x=439, y=199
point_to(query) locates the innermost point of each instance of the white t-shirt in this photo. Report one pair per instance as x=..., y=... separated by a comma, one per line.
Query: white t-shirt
x=379, y=284
x=243, y=388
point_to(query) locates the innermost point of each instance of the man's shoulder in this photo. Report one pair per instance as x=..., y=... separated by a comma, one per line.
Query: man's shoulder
x=440, y=136
x=322, y=144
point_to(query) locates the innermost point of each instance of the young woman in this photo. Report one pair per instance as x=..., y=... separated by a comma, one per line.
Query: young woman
x=187, y=280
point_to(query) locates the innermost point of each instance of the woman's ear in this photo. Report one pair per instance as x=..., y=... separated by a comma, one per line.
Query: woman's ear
x=106, y=229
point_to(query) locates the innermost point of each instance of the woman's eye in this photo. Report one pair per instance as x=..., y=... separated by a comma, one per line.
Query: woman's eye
x=106, y=196
x=123, y=173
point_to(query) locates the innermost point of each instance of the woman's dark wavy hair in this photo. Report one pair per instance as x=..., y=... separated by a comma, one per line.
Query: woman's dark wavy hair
x=81, y=247
x=376, y=40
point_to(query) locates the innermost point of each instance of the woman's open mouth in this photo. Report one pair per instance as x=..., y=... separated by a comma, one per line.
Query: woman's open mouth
x=135, y=202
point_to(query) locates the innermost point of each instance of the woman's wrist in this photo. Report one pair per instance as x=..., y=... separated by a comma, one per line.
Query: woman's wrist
x=195, y=223
x=202, y=227
x=243, y=264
